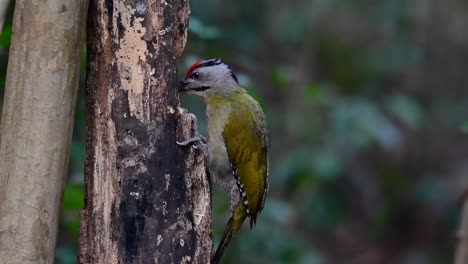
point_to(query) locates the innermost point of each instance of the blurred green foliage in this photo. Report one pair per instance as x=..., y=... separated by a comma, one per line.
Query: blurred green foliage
x=368, y=108
x=72, y=203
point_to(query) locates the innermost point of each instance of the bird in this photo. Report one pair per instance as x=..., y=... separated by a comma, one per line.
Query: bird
x=238, y=142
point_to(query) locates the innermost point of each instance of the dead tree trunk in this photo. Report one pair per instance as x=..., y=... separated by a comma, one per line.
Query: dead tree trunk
x=37, y=124
x=147, y=199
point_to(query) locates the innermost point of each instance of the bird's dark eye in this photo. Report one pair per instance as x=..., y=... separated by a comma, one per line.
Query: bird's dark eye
x=196, y=75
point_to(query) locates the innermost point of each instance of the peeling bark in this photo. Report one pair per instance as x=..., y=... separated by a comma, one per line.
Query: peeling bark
x=147, y=199
x=37, y=124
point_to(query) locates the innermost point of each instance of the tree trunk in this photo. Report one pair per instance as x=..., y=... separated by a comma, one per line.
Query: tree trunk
x=147, y=199
x=461, y=254
x=37, y=124
x=3, y=13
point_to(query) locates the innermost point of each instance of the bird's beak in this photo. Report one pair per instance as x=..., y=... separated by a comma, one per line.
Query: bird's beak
x=182, y=86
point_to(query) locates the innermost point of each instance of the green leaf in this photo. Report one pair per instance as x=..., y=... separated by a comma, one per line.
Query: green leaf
x=73, y=198
x=73, y=202
x=5, y=37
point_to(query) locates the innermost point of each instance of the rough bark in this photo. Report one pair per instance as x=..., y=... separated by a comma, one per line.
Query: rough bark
x=3, y=13
x=147, y=199
x=461, y=254
x=37, y=124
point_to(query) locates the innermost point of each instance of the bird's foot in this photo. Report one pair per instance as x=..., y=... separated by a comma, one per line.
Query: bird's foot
x=199, y=142
x=195, y=139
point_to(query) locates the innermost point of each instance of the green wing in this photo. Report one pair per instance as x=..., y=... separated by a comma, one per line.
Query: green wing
x=247, y=139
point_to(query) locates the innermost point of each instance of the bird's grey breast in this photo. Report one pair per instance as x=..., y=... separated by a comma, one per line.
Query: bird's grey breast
x=218, y=160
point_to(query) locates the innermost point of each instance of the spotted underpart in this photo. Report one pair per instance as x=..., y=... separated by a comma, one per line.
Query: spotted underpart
x=241, y=189
x=238, y=142
x=246, y=139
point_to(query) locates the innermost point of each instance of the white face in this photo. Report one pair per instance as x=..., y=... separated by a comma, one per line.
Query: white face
x=212, y=77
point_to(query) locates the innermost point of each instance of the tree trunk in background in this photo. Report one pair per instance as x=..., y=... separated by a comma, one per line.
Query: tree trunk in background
x=3, y=13
x=147, y=199
x=461, y=254
x=37, y=124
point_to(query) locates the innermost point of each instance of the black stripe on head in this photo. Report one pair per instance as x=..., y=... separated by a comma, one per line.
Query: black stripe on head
x=200, y=89
x=214, y=62
x=211, y=62
x=234, y=76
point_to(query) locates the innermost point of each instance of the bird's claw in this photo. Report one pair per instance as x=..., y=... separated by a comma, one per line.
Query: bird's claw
x=198, y=141
x=203, y=139
x=189, y=141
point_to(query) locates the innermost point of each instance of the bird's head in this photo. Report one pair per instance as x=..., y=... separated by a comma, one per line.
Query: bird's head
x=210, y=78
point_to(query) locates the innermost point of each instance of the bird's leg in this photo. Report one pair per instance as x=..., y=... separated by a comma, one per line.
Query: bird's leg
x=199, y=142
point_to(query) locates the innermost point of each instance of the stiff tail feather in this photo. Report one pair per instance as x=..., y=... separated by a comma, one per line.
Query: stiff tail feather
x=234, y=224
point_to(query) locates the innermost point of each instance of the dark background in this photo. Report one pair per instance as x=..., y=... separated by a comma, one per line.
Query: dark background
x=368, y=108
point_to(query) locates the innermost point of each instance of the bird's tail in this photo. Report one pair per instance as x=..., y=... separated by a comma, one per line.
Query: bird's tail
x=234, y=224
